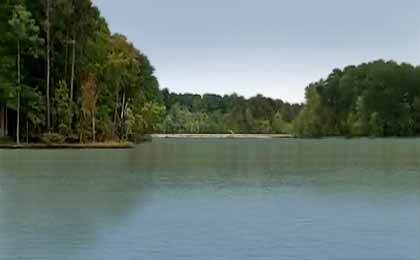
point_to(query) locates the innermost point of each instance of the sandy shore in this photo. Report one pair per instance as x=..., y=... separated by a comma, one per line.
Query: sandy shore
x=222, y=136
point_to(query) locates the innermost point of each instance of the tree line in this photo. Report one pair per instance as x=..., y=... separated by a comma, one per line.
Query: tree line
x=378, y=99
x=64, y=76
x=210, y=113
x=63, y=72
x=375, y=99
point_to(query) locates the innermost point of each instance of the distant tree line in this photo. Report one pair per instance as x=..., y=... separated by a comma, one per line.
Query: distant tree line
x=210, y=113
x=376, y=99
x=63, y=73
x=65, y=76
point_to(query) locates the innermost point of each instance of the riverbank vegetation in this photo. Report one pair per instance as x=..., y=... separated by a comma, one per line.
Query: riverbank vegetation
x=65, y=78
x=215, y=114
x=376, y=99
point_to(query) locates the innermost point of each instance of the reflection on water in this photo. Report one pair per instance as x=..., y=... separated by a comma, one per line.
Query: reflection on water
x=214, y=199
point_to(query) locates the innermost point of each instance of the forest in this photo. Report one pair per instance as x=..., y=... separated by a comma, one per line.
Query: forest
x=376, y=99
x=215, y=114
x=64, y=77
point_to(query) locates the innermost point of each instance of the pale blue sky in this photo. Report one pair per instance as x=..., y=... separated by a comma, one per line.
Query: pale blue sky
x=272, y=47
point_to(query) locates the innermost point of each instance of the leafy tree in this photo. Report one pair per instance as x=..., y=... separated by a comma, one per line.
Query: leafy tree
x=88, y=108
x=212, y=113
x=372, y=99
x=280, y=126
x=25, y=33
x=143, y=119
x=63, y=109
x=309, y=122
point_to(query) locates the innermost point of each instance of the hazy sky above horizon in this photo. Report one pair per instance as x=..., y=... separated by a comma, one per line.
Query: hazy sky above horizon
x=272, y=47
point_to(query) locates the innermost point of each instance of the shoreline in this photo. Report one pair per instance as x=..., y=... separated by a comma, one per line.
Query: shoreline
x=220, y=136
x=68, y=146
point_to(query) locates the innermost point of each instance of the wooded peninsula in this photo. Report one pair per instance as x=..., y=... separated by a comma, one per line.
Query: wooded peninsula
x=65, y=78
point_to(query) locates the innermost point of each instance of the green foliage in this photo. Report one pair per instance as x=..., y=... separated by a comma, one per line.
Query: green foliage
x=373, y=99
x=103, y=88
x=23, y=28
x=376, y=124
x=280, y=126
x=63, y=109
x=53, y=138
x=210, y=113
x=143, y=119
x=309, y=123
x=96, y=78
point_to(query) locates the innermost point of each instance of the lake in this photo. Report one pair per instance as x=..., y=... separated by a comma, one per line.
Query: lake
x=214, y=199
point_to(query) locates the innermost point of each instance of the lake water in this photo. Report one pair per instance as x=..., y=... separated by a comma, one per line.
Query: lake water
x=214, y=199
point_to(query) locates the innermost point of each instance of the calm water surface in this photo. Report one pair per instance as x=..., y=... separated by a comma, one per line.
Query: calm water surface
x=214, y=199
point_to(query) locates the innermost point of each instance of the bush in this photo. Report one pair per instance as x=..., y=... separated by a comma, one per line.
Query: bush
x=72, y=139
x=53, y=138
x=6, y=140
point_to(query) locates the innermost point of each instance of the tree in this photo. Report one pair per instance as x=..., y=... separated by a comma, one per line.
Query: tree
x=376, y=125
x=24, y=32
x=416, y=114
x=48, y=58
x=279, y=125
x=78, y=43
x=230, y=113
x=62, y=103
x=371, y=99
x=143, y=119
x=89, y=98
x=309, y=121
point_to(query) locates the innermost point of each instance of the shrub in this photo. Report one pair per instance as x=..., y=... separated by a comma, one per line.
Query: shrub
x=53, y=138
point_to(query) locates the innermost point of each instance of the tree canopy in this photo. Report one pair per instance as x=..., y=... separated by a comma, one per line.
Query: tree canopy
x=376, y=99
x=210, y=113
x=62, y=71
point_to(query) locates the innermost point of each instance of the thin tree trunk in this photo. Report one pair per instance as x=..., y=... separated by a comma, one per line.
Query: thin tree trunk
x=48, y=65
x=115, y=113
x=122, y=116
x=53, y=117
x=66, y=60
x=27, y=130
x=6, y=122
x=123, y=107
x=81, y=136
x=2, y=128
x=73, y=61
x=18, y=95
x=126, y=127
x=18, y=120
x=93, y=126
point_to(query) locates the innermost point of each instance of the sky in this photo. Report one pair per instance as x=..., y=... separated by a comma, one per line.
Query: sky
x=270, y=47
